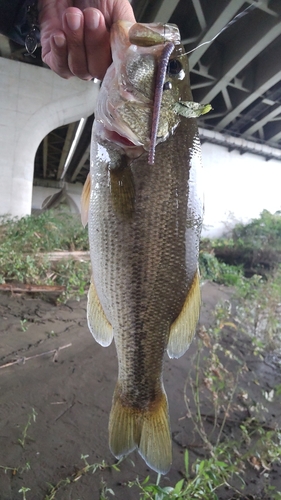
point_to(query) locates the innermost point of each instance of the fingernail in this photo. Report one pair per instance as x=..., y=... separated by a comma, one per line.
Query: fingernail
x=59, y=40
x=74, y=21
x=92, y=19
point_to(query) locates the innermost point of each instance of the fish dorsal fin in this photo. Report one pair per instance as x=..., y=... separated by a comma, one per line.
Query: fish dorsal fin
x=183, y=329
x=99, y=327
x=85, y=201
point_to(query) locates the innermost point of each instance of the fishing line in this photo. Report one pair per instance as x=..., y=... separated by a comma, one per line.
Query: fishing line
x=230, y=23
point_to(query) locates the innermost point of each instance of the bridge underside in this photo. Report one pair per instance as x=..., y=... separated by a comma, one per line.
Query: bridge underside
x=239, y=72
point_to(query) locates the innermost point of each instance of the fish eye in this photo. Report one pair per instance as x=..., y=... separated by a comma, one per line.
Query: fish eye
x=174, y=67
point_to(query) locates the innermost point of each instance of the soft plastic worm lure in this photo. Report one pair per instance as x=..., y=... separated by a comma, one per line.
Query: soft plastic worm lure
x=161, y=73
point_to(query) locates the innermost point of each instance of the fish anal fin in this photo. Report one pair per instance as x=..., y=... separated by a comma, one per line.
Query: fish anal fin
x=148, y=430
x=183, y=329
x=98, y=324
x=85, y=201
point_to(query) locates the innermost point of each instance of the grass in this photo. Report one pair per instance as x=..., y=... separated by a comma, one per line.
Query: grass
x=31, y=418
x=47, y=232
x=256, y=246
x=24, y=490
x=218, y=399
x=26, y=242
x=217, y=371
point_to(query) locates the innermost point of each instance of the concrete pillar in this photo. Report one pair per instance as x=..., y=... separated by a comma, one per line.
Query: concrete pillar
x=73, y=191
x=33, y=101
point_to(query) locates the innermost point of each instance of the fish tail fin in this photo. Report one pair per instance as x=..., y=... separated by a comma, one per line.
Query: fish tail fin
x=155, y=445
x=148, y=430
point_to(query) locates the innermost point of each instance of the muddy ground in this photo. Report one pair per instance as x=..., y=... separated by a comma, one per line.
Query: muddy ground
x=71, y=391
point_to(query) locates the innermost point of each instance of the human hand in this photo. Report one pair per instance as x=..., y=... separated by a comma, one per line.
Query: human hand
x=75, y=34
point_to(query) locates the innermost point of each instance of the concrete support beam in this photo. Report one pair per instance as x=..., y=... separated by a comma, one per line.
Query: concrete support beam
x=267, y=74
x=259, y=124
x=81, y=163
x=256, y=41
x=33, y=101
x=276, y=137
x=45, y=156
x=223, y=18
x=5, y=50
x=165, y=11
x=200, y=14
x=66, y=147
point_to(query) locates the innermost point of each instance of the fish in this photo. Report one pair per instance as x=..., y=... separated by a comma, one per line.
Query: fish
x=143, y=204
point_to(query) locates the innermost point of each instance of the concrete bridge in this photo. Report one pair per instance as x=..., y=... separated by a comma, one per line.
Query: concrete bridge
x=239, y=72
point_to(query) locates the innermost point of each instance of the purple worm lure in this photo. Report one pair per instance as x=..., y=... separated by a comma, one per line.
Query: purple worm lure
x=160, y=79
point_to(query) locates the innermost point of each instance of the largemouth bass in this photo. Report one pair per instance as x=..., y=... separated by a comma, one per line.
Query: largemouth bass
x=143, y=204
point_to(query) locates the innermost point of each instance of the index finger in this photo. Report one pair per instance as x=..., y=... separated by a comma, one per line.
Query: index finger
x=73, y=26
x=97, y=43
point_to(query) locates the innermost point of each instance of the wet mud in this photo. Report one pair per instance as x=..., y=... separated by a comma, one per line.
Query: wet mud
x=51, y=365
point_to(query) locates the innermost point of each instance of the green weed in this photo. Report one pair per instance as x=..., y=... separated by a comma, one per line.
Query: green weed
x=219, y=272
x=24, y=490
x=87, y=468
x=25, y=243
x=24, y=325
x=216, y=374
x=259, y=312
x=47, y=232
x=31, y=418
x=255, y=246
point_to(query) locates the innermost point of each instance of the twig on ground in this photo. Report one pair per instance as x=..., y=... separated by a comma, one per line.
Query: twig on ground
x=24, y=359
x=26, y=288
x=76, y=255
x=63, y=412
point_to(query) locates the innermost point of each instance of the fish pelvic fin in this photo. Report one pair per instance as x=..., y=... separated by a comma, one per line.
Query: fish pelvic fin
x=98, y=324
x=183, y=329
x=147, y=430
x=85, y=201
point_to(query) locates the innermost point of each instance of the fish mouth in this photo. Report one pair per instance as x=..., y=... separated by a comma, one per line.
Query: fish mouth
x=116, y=134
x=135, y=130
x=131, y=146
x=116, y=137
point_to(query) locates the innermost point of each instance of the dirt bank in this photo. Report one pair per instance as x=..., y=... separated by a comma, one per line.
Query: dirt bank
x=70, y=390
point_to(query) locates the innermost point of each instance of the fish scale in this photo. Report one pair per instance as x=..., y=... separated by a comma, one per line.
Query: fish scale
x=144, y=228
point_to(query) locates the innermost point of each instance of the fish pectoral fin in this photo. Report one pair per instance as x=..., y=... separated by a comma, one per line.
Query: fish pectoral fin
x=85, y=201
x=98, y=324
x=148, y=430
x=183, y=329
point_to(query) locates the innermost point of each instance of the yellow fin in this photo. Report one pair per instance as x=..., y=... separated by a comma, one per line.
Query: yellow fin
x=155, y=444
x=183, y=329
x=85, y=201
x=123, y=427
x=99, y=327
x=148, y=430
